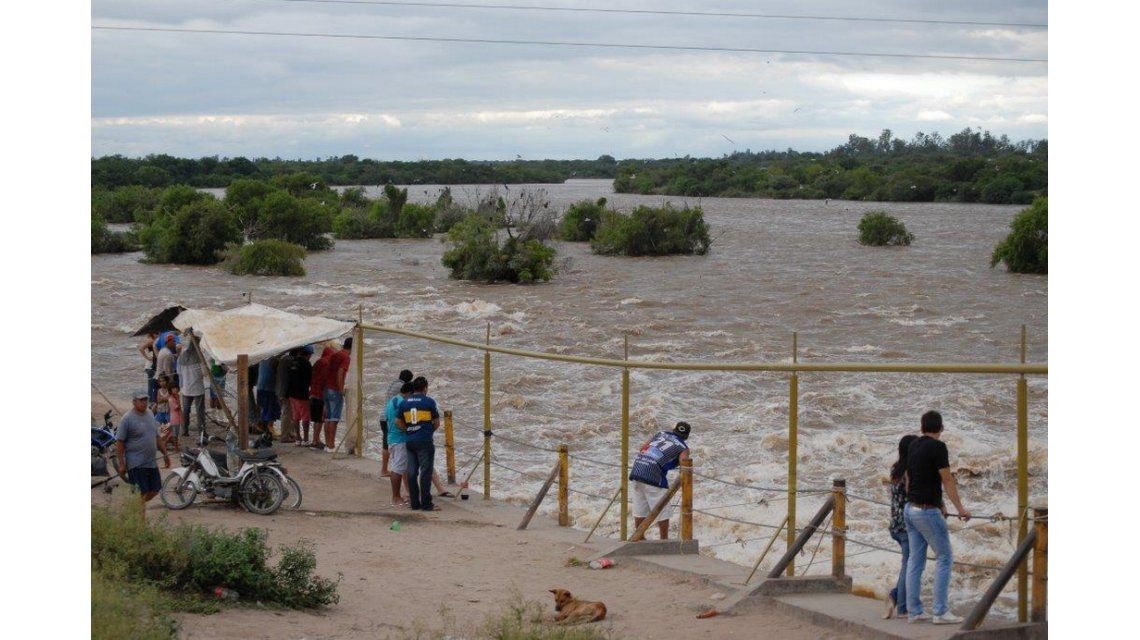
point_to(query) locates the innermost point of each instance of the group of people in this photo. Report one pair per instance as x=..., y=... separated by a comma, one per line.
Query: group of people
x=176, y=384
x=301, y=394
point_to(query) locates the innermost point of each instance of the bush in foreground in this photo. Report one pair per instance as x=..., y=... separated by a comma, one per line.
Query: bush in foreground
x=580, y=222
x=1026, y=248
x=478, y=253
x=879, y=229
x=653, y=231
x=265, y=258
x=191, y=560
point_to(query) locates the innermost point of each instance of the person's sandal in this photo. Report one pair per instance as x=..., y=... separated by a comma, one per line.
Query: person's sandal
x=446, y=494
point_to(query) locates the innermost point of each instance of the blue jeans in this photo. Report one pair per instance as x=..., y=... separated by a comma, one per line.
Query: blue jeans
x=898, y=594
x=421, y=464
x=334, y=404
x=927, y=527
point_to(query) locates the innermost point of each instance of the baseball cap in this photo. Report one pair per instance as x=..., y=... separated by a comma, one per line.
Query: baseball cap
x=141, y=394
x=682, y=430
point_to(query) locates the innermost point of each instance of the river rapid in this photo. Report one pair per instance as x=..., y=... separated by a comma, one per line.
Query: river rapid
x=776, y=267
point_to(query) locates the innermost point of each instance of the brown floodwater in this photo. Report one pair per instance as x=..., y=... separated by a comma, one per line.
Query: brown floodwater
x=776, y=267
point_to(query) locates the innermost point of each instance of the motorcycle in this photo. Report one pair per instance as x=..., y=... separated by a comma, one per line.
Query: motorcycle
x=102, y=442
x=260, y=486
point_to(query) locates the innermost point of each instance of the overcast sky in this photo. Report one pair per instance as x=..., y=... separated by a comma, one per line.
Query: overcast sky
x=191, y=94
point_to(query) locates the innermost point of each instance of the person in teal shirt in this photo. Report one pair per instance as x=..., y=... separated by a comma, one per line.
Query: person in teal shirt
x=397, y=447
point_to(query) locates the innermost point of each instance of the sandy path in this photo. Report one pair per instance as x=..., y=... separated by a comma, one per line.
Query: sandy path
x=469, y=560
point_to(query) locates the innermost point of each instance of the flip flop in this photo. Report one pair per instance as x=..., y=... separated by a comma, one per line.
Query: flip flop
x=446, y=494
x=434, y=507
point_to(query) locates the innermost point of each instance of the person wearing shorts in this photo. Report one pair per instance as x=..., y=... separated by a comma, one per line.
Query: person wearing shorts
x=136, y=447
x=317, y=397
x=387, y=422
x=658, y=456
x=397, y=444
x=300, y=378
x=334, y=390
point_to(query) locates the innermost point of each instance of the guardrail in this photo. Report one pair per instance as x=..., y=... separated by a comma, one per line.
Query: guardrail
x=793, y=368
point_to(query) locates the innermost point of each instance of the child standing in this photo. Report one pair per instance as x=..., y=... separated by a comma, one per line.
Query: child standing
x=166, y=435
x=175, y=410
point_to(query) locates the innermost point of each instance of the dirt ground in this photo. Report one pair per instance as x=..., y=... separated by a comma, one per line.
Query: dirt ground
x=461, y=563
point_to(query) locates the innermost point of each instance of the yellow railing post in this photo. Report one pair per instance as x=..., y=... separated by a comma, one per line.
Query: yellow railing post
x=687, y=499
x=793, y=435
x=487, y=418
x=1040, y=564
x=563, y=485
x=839, y=529
x=1022, y=483
x=449, y=444
x=625, y=447
x=359, y=343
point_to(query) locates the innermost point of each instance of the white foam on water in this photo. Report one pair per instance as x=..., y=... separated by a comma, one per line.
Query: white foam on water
x=477, y=309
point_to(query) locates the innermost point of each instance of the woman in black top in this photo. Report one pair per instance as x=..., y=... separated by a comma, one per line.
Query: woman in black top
x=896, y=600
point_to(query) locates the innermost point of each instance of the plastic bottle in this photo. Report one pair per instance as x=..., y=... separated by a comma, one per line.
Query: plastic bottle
x=395, y=526
x=222, y=593
x=602, y=563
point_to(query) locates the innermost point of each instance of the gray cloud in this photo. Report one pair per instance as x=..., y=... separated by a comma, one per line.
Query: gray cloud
x=202, y=94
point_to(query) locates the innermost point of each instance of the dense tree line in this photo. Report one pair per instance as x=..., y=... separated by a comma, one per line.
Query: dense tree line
x=969, y=166
x=109, y=172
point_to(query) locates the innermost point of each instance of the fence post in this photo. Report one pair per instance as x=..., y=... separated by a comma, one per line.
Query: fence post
x=687, y=499
x=1022, y=483
x=839, y=529
x=359, y=343
x=563, y=485
x=449, y=444
x=487, y=419
x=1040, y=564
x=625, y=447
x=793, y=442
x=243, y=400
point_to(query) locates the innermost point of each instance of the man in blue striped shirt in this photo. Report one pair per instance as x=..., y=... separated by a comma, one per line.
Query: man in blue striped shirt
x=658, y=456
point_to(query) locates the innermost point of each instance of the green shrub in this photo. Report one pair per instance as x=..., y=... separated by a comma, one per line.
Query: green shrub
x=447, y=212
x=354, y=197
x=879, y=229
x=415, y=221
x=357, y=224
x=301, y=221
x=653, y=231
x=195, y=234
x=265, y=258
x=124, y=204
x=193, y=560
x=580, y=222
x=477, y=253
x=103, y=240
x=1026, y=248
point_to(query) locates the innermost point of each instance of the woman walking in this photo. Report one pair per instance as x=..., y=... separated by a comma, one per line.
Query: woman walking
x=896, y=599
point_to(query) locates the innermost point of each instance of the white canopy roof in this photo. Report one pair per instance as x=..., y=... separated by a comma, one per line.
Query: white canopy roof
x=257, y=331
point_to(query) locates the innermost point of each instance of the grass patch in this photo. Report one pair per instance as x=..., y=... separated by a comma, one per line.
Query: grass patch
x=186, y=562
x=124, y=610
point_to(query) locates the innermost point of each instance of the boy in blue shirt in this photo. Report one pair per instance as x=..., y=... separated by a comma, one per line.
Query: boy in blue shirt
x=418, y=417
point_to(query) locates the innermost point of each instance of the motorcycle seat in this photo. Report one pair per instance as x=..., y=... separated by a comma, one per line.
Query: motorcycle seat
x=258, y=455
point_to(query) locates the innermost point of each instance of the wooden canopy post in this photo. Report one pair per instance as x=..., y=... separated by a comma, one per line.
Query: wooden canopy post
x=243, y=400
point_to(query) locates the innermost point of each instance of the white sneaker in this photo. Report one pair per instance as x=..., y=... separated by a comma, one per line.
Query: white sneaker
x=947, y=618
x=922, y=617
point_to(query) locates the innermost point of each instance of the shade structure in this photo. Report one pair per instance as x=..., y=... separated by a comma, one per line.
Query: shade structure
x=257, y=331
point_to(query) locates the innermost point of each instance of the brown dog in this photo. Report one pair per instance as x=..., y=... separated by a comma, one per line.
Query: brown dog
x=572, y=610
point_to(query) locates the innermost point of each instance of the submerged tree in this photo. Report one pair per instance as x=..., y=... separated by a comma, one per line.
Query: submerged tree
x=1026, y=248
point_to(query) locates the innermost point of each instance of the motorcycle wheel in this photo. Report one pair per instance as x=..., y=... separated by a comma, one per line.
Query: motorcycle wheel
x=293, y=501
x=261, y=492
x=175, y=497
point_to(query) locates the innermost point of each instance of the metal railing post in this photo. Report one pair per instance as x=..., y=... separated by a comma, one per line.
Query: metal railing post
x=1039, y=611
x=449, y=444
x=687, y=499
x=1022, y=483
x=487, y=418
x=793, y=448
x=839, y=529
x=563, y=485
x=625, y=447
